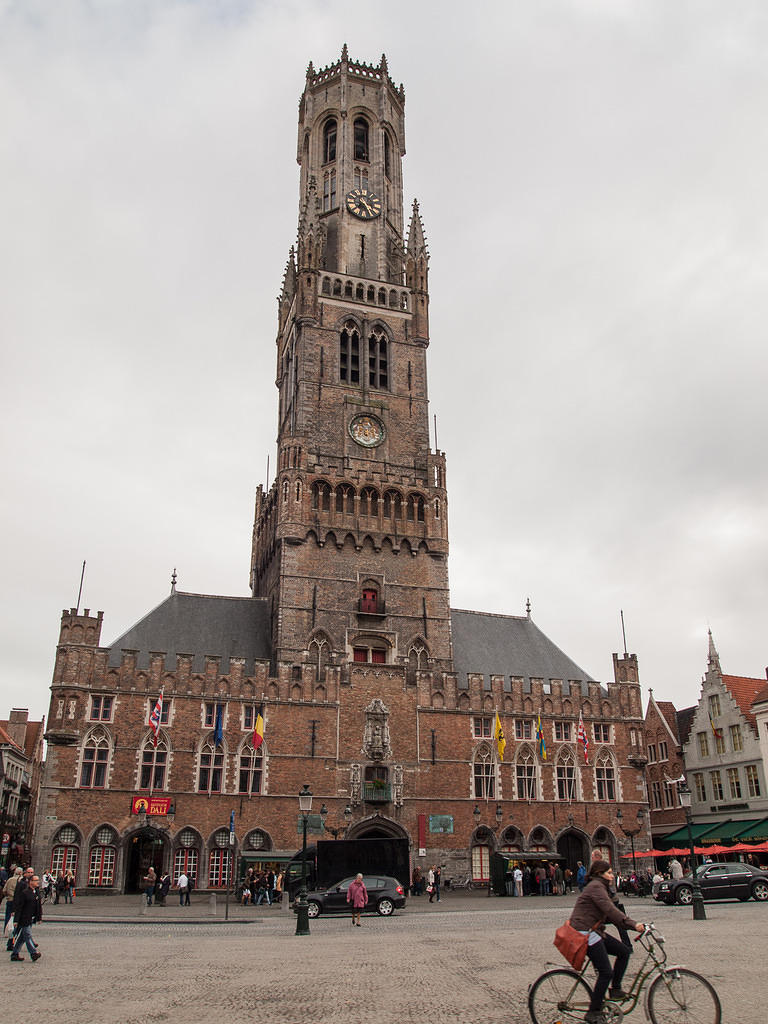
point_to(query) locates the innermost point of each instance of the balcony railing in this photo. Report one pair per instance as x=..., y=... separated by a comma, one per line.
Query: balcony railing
x=377, y=792
x=371, y=608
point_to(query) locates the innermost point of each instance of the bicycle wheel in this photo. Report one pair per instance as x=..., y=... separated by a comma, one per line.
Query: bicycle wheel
x=683, y=997
x=558, y=997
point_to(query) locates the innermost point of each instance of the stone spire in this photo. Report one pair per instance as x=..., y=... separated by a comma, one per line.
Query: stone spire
x=713, y=658
x=417, y=243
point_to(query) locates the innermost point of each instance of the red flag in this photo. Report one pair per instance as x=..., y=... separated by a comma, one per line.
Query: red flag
x=154, y=718
x=583, y=736
x=258, y=728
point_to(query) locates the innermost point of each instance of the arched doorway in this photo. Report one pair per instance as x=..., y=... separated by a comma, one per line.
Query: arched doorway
x=144, y=848
x=573, y=845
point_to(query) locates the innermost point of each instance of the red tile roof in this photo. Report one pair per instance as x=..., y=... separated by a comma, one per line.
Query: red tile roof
x=31, y=736
x=744, y=690
x=5, y=738
x=762, y=696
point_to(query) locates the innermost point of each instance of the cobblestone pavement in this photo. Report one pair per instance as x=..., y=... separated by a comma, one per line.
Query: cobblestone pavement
x=468, y=959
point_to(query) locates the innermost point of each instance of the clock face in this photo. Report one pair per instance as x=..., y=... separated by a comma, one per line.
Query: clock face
x=367, y=431
x=363, y=203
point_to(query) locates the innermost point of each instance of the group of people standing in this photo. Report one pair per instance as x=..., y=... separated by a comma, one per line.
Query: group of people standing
x=262, y=887
x=157, y=887
x=429, y=883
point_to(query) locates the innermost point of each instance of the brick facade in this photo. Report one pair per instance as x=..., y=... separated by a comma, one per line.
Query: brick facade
x=374, y=691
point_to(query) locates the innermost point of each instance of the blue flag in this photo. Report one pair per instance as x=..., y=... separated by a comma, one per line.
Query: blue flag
x=218, y=729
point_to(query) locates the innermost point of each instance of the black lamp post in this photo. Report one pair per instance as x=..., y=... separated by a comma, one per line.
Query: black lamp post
x=631, y=832
x=684, y=795
x=302, y=909
x=341, y=830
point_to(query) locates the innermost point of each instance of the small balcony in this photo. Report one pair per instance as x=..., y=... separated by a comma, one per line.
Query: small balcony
x=377, y=792
x=371, y=609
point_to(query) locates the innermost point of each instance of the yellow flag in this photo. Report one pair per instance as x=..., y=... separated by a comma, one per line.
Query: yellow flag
x=498, y=735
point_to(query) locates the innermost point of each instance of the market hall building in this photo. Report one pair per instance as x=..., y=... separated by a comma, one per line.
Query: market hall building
x=371, y=688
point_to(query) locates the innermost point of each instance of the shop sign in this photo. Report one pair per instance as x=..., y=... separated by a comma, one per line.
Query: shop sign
x=160, y=805
x=441, y=823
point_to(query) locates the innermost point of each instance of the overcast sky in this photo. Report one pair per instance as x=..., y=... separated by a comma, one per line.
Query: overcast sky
x=592, y=177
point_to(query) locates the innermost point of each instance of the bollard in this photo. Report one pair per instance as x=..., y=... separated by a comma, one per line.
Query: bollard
x=143, y=908
x=212, y=904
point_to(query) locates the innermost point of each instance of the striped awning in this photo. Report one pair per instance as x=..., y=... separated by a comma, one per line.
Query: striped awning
x=697, y=831
x=753, y=831
x=728, y=830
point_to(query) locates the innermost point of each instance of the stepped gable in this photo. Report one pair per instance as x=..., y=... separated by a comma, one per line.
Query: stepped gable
x=200, y=625
x=511, y=646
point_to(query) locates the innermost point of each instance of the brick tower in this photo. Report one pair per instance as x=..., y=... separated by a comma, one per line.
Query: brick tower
x=350, y=544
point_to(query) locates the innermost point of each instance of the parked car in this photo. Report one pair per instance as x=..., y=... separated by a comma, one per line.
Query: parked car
x=726, y=880
x=385, y=895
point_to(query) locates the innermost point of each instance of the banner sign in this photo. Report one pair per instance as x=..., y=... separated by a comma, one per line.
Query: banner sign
x=151, y=805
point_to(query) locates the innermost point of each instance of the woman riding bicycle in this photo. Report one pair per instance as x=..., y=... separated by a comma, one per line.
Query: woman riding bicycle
x=593, y=909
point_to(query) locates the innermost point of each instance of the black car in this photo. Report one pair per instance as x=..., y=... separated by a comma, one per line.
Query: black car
x=385, y=895
x=728, y=880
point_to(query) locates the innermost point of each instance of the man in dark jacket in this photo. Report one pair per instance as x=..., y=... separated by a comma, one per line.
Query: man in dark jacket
x=30, y=910
x=21, y=885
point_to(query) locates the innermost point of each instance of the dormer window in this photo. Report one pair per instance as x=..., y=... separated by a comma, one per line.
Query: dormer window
x=361, y=139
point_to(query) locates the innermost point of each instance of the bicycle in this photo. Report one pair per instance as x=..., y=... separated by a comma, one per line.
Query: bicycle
x=675, y=996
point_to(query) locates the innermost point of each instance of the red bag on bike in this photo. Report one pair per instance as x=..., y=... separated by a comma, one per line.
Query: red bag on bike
x=572, y=944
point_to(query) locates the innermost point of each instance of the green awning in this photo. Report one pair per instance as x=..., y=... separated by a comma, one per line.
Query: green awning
x=697, y=830
x=728, y=830
x=753, y=831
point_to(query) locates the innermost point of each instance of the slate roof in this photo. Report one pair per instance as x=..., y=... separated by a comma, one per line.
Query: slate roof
x=200, y=625
x=510, y=646
x=684, y=723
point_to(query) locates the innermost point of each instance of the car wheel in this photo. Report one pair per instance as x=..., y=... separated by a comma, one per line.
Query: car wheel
x=684, y=895
x=313, y=909
x=760, y=891
x=385, y=907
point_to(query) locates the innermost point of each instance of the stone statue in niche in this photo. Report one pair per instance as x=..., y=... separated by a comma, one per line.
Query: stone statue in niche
x=354, y=784
x=376, y=736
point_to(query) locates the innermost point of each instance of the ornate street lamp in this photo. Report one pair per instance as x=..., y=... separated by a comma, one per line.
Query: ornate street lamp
x=341, y=829
x=631, y=833
x=302, y=909
x=684, y=795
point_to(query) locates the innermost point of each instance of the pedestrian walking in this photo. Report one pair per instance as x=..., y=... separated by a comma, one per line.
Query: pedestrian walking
x=431, y=883
x=357, y=895
x=518, y=876
x=181, y=884
x=9, y=891
x=30, y=911
x=581, y=876
x=150, y=881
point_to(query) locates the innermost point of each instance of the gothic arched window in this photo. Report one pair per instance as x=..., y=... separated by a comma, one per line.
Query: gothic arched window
x=349, y=354
x=211, y=772
x=387, y=156
x=321, y=496
x=565, y=774
x=154, y=762
x=378, y=365
x=525, y=775
x=329, y=140
x=605, y=777
x=251, y=766
x=93, y=772
x=484, y=773
x=361, y=139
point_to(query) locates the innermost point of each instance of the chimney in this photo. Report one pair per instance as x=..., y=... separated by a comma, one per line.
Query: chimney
x=17, y=725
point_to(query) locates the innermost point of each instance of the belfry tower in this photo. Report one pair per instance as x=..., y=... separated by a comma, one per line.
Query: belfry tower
x=350, y=544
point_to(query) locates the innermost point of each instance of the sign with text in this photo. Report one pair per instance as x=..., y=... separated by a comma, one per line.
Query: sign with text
x=315, y=825
x=441, y=823
x=151, y=805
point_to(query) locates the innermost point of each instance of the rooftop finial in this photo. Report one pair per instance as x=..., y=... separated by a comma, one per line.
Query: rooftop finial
x=344, y=53
x=713, y=658
x=310, y=69
x=173, y=580
x=528, y=607
x=384, y=66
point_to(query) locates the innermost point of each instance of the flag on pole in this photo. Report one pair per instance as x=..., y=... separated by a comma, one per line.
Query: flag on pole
x=154, y=718
x=717, y=733
x=540, y=738
x=583, y=736
x=218, y=729
x=258, y=727
x=498, y=735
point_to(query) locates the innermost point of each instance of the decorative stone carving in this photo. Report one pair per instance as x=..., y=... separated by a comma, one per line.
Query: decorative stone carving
x=355, y=776
x=397, y=791
x=376, y=736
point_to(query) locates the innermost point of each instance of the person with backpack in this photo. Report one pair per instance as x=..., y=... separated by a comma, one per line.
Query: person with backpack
x=581, y=876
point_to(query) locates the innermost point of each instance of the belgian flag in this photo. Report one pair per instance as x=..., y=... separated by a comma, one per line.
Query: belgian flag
x=258, y=728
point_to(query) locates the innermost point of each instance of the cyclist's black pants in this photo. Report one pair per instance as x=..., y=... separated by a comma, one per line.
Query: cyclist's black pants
x=607, y=975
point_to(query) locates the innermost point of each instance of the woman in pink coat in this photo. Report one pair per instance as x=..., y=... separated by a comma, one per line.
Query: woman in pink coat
x=357, y=895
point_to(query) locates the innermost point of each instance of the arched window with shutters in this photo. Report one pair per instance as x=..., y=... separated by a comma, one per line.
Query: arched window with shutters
x=218, y=860
x=101, y=864
x=361, y=139
x=349, y=354
x=329, y=140
x=378, y=362
x=66, y=850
